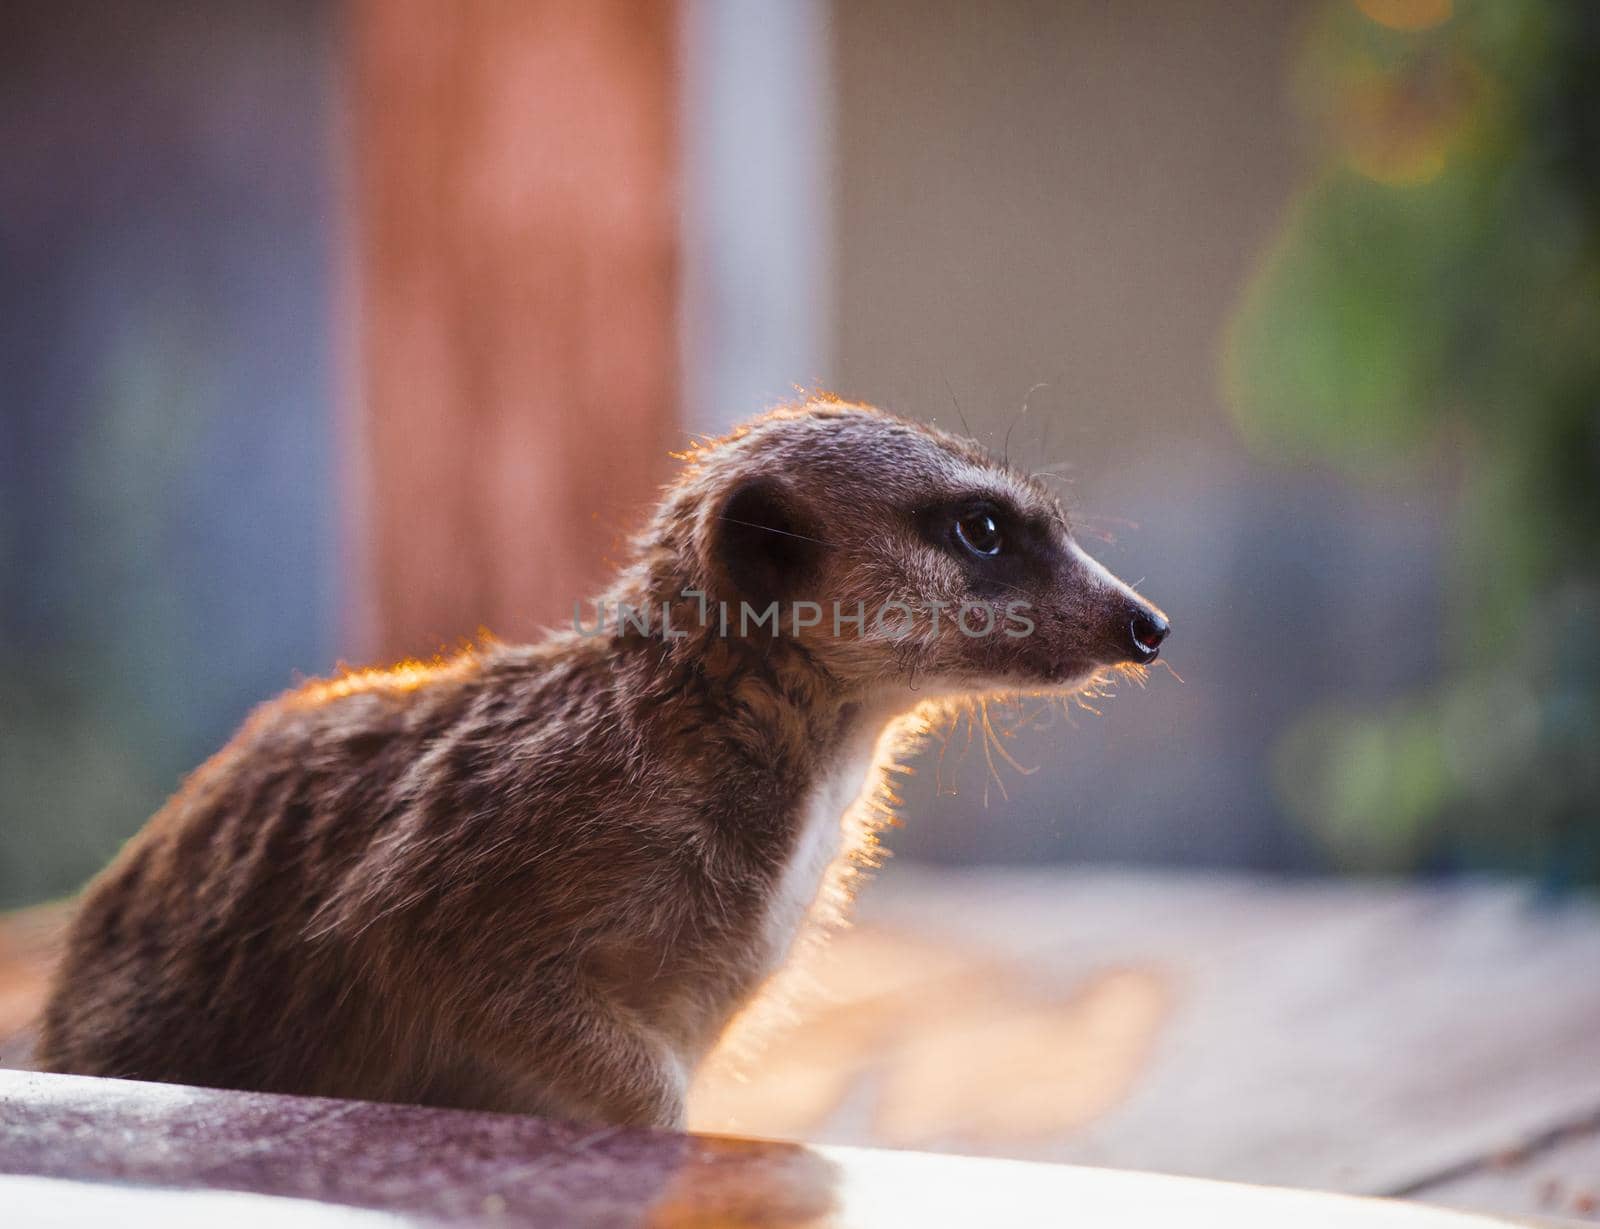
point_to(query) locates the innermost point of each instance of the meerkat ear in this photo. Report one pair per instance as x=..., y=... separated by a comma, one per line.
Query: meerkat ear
x=764, y=542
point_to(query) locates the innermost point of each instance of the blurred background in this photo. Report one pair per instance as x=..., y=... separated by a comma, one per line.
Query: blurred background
x=340, y=331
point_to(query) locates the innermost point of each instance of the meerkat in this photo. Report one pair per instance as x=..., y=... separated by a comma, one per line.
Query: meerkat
x=543, y=879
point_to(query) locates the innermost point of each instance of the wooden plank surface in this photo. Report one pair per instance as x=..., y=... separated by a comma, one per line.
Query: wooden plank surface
x=75, y=1150
x=1339, y=1036
x=1559, y=1178
x=1354, y=1037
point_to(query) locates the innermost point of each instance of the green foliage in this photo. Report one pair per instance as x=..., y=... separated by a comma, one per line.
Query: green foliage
x=1439, y=284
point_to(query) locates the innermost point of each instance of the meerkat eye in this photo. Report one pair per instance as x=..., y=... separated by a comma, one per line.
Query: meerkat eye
x=979, y=532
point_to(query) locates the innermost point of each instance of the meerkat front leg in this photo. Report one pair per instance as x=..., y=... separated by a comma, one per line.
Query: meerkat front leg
x=574, y=1055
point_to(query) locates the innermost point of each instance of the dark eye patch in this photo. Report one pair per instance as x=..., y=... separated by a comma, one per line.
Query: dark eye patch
x=1003, y=553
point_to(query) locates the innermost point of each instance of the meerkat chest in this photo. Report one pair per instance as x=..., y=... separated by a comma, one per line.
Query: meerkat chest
x=820, y=840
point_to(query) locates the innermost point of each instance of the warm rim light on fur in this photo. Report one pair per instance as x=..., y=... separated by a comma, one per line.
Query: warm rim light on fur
x=778, y=1004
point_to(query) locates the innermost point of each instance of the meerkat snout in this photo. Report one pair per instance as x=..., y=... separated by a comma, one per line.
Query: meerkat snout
x=1148, y=629
x=1128, y=629
x=543, y=878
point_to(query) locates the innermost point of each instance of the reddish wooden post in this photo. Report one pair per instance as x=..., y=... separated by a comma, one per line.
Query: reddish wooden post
x=515, y=225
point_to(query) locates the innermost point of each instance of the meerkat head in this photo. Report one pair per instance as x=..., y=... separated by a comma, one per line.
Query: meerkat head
x=899, y=556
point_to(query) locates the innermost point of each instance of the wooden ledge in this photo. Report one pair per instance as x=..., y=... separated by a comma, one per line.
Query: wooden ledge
x=79, y=1150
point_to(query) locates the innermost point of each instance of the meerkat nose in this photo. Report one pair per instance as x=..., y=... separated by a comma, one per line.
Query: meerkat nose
x=1148, y=629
